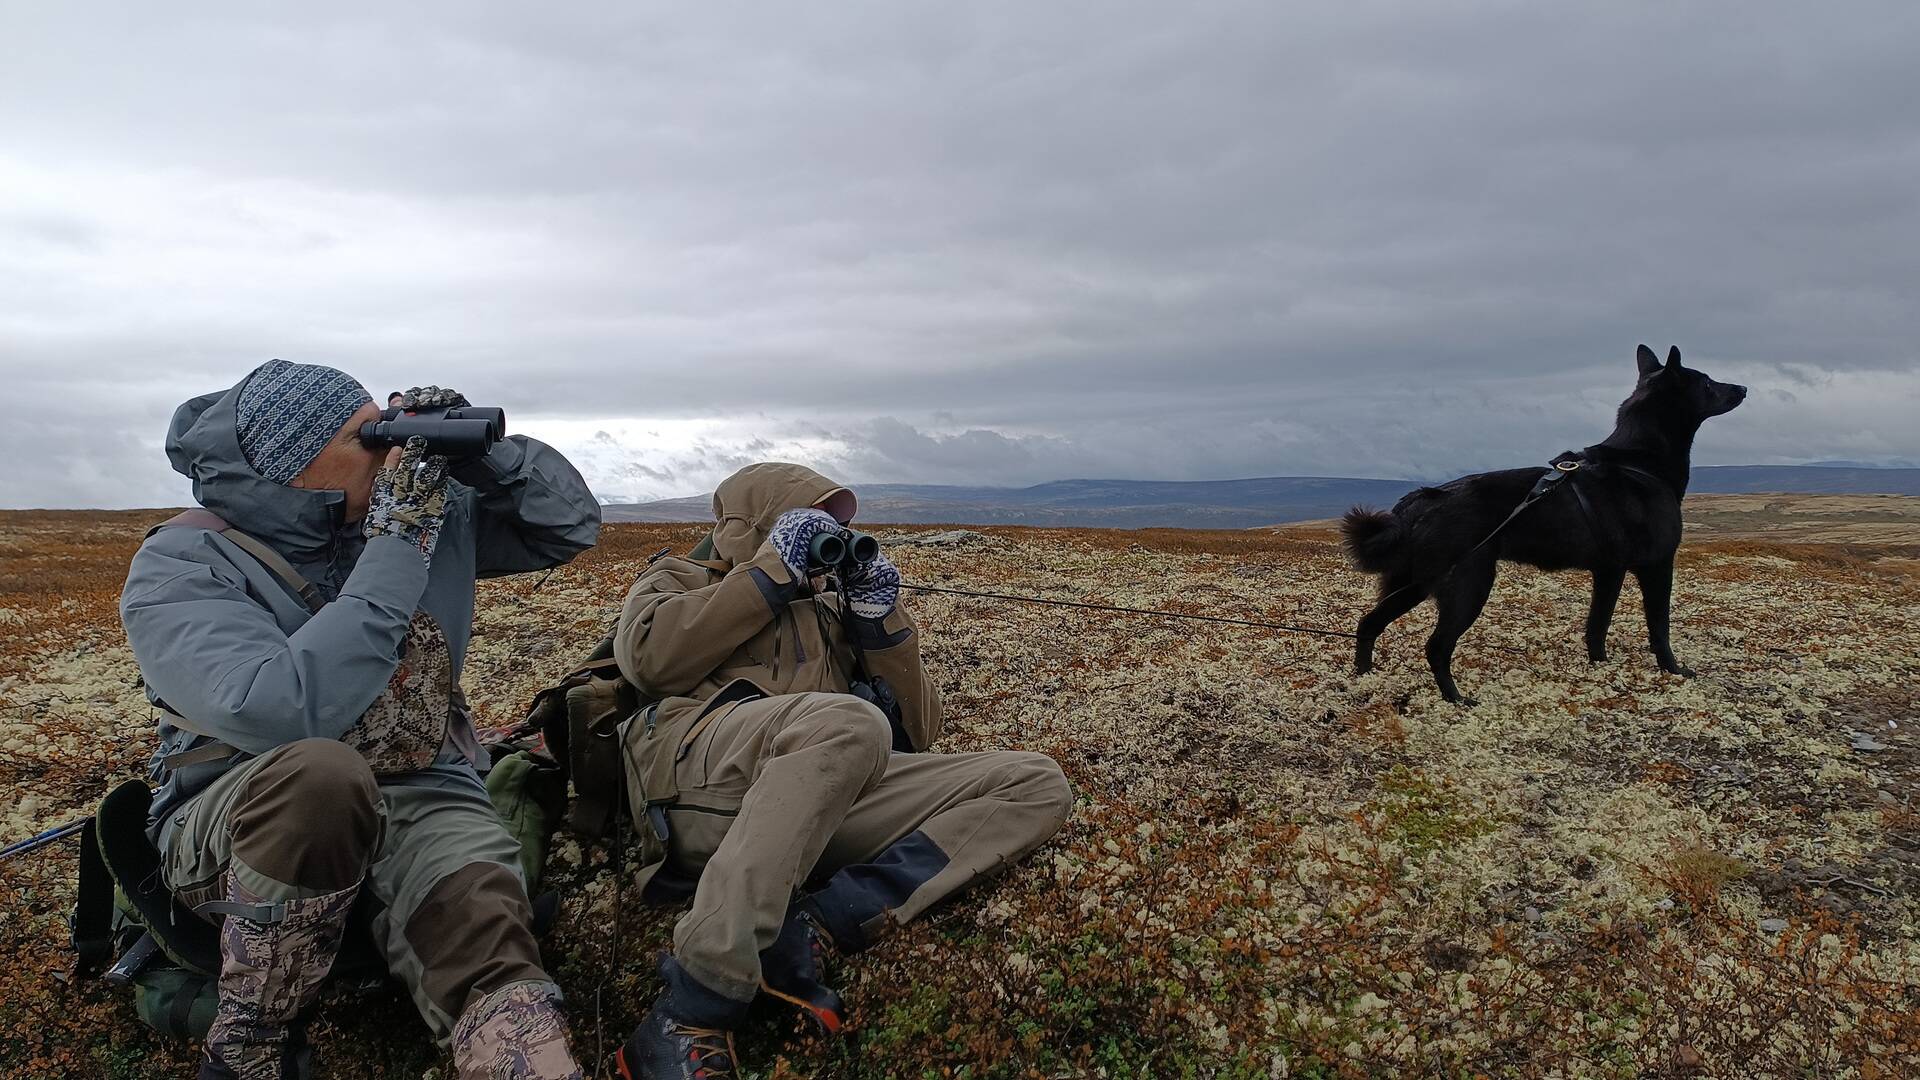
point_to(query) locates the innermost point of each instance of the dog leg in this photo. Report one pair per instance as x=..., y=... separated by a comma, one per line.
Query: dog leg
x=1397, y=597
x=1606, y=593
x=1459, y=598
x=1656, y=596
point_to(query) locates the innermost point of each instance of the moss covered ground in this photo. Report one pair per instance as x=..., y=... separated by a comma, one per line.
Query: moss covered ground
x=1274, y=868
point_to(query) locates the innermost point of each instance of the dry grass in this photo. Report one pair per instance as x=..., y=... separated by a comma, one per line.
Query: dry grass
x=1274, y=867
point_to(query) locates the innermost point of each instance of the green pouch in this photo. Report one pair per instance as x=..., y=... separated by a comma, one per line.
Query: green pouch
x=176, y=1002
x=529, y=795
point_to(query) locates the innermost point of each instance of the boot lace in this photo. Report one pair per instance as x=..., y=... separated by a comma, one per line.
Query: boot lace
x=709, y=1049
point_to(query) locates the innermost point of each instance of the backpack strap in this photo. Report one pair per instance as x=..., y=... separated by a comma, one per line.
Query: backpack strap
x=134, y=867
x=92, y=923
x=201, y=518
x=276, y=563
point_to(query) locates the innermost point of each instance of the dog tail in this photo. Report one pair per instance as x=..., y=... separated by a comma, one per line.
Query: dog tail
x=1373, y=539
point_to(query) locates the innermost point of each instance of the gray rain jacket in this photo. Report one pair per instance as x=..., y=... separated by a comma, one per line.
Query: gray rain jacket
x=225, y=644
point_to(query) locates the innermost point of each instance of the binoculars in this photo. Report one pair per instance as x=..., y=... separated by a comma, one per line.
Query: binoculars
x=841, y=549
x=468, y=431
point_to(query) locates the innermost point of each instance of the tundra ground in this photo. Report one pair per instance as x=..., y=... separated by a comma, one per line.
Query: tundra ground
x=1273, y=868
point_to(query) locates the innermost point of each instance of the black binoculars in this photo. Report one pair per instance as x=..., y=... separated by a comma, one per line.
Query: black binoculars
x=467, y=431
x=841, y=549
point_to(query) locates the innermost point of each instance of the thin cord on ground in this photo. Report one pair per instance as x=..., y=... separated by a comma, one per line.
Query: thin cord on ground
x=1130, y=610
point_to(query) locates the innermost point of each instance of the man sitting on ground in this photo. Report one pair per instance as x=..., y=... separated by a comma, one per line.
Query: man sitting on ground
x=783, y=769
x=315, y=749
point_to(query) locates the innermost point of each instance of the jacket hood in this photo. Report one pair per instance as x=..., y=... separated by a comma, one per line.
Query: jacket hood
x=746, y=504
x=204, y=446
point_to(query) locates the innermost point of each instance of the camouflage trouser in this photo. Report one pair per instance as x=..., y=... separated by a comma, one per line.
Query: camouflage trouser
x=511, y=1033
x=308, y=819
x=273, y=958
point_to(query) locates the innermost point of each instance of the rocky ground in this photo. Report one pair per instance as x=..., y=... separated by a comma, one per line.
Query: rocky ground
x=1274, y=868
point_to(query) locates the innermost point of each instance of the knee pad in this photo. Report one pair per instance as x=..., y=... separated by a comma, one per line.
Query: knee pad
x=309, y=815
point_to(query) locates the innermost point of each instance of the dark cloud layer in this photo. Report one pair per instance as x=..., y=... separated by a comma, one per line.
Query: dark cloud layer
x=999, y=243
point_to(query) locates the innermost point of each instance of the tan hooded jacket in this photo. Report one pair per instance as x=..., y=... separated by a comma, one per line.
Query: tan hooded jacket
x=690, y=630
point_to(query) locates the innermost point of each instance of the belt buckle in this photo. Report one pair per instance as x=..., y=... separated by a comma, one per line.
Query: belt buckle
x=1566, y=466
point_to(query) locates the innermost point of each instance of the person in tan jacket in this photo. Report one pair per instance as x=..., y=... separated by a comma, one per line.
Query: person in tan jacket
x=784, y=769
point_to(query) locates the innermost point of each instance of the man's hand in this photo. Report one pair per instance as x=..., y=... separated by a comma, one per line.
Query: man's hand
x=433, y=397
x=792, y=537
x=873, y=588
x=410, y=497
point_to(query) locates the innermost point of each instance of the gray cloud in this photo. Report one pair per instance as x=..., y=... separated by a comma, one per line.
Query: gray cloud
x=979, y=244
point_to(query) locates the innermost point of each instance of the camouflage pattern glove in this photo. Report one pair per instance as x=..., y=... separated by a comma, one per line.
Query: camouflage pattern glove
x=873, y=589
x=410, y=499
x=792, y=537
x=433, y=397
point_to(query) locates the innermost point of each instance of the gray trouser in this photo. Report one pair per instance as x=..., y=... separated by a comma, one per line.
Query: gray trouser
x=794, y=787
x=309, y=818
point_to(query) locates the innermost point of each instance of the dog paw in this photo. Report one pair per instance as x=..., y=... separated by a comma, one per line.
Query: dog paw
x=1597, y=657
x=1681, y=670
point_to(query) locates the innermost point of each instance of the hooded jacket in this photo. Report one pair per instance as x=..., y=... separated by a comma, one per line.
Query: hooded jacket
x=227, y=646
x=691, y=629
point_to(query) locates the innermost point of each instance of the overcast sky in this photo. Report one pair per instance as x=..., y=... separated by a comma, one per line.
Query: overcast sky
x=968, y=243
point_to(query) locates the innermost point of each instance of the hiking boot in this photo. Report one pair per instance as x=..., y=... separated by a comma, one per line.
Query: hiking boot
x=794, y=970
x=273, y=958
x=514, y=1033
x=687, y=1035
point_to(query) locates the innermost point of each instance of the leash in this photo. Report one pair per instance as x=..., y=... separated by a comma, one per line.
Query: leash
x=1315, y=631
x=602, y=1058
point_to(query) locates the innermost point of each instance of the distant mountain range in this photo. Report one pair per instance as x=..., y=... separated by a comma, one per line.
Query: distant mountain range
x=1236, y=504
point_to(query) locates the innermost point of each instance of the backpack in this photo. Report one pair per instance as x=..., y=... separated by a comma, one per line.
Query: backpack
x=579, y=718
x=165, y=951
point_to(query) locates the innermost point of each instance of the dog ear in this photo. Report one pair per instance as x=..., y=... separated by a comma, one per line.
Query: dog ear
x=1649, y=363
x=1673, y=356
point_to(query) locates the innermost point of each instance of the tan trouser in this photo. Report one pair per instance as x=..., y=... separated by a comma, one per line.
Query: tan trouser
x=784, y=789
x=309, y=818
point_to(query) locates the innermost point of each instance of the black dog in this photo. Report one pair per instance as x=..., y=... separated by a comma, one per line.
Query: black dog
x=1616, y=510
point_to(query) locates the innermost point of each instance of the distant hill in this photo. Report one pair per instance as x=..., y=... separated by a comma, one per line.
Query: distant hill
x=1804, y=480
x=1234, y=504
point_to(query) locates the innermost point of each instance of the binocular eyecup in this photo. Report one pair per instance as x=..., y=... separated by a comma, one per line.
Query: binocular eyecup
x=464, y=432
x=843, y=548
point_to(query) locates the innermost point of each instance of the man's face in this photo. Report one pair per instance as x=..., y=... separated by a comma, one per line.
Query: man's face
x=347, y=465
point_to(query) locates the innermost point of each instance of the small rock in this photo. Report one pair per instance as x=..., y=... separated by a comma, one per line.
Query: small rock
x=1687, y=1058
x=1533, y=914
x=1773, y=926
x=1835, y=904
x=1866, y=743
x=1886, y=797
x=1665, y=904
